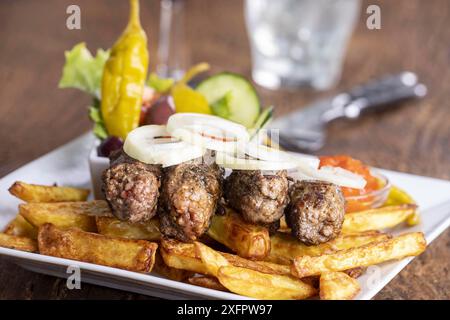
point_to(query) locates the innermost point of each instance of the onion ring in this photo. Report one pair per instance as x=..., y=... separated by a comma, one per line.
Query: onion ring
x=231, y=162
x=263, y=152
x=152, y=144
x=336, y=175
x=207, y=132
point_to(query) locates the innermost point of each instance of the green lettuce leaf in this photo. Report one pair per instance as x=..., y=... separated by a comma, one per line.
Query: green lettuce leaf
x=161, y=85
x=82, y=70
x=96, y=116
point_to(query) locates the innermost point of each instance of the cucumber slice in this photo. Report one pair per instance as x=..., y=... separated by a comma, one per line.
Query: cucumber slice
x=231, y=96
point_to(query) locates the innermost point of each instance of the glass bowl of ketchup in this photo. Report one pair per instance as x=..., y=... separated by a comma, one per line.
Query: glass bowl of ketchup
x=374, y=194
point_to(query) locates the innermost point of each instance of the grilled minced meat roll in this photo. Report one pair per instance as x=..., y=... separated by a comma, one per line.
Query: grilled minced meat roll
x=315, y=212
x=189, y=197
x=131, y=188
x=260, y=198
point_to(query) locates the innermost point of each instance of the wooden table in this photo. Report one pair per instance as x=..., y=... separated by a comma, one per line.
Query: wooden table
x=36, y=116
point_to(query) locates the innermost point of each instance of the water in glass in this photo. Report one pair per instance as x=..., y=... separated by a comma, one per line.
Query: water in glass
x=299, y=42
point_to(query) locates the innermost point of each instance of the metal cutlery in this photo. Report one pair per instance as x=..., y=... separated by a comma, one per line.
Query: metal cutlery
x=305, y=130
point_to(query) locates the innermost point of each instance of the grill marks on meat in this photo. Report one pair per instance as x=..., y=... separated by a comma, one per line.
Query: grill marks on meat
x=131, y=188
x=189, y=197
x=315, y=212
x=261, y=199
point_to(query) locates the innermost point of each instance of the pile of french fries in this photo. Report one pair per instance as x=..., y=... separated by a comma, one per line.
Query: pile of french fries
x=234, y=256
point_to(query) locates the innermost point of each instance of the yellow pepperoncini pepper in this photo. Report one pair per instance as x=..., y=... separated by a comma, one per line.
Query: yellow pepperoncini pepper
x=187, y=99
x=398, y=196
x=124, y=77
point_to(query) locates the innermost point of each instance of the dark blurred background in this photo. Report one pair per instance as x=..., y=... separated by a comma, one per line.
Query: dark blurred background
x=36, y=116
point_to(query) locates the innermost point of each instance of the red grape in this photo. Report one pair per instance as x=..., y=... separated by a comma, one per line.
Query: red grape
x=160, y=111
x=109, y=145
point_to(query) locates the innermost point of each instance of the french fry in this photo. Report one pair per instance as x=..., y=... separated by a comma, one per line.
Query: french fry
x=185, y=256
x=338, y=286
x=21, y=227
x=181, y=255
x=18, y=243
x=168, y=272
x=133, y=255
x=262, y=285
x=39, y=193
x=247, y=240
x=96, y=208
x=315, y=280
x=377, y=219
x=261, y=266
x=207, y=282
x=38, y=214
x=113, y=227
x=211, y=259
x=285, y=247
x=410, y=244
x=355, y=272
x=347, y=241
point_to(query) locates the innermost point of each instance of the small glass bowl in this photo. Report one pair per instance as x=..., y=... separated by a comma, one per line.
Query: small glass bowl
x=372, y=199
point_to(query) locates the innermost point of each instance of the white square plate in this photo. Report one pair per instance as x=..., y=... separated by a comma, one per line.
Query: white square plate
x=68, y=165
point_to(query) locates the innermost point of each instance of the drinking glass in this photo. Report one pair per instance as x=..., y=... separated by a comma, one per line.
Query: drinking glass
x=172, y=47
x=299, y=42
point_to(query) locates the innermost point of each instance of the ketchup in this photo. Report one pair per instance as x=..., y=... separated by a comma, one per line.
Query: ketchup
x=355, y=166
